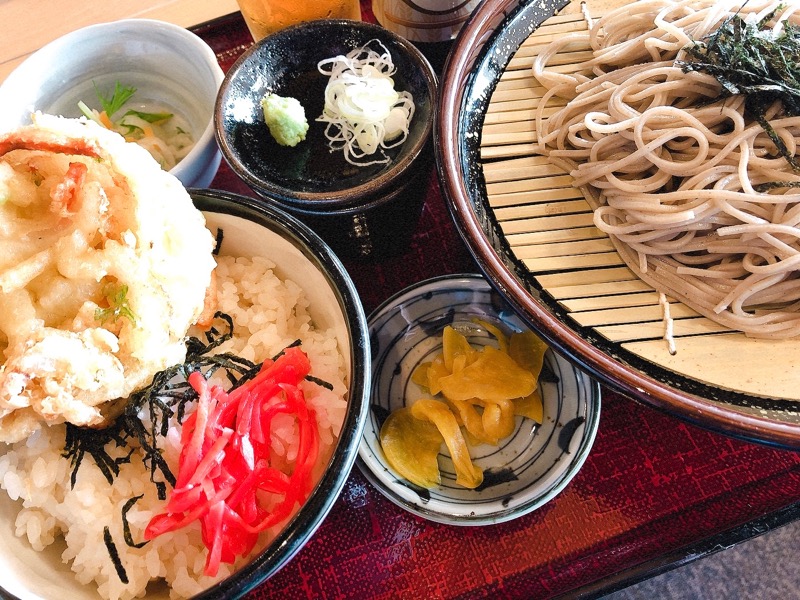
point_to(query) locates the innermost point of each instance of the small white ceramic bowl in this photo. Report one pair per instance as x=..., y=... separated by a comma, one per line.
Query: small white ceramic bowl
x=166, y=63
x=529, y=467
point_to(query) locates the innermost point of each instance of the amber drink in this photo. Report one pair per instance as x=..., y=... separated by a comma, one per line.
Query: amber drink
x=267, y=16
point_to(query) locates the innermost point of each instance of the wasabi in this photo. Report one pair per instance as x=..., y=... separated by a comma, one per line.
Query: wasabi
x=286, y=119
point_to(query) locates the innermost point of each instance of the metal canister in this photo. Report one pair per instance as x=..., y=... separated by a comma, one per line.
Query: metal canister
x=426, y=21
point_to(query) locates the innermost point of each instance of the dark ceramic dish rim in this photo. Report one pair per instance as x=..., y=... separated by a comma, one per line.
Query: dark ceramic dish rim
x=334, y=198
x=294, y=535
x=592, y=424
x=485, y=45
x=291, y=539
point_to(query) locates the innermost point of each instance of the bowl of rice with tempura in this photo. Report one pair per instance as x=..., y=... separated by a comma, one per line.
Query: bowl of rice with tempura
x=183, y=376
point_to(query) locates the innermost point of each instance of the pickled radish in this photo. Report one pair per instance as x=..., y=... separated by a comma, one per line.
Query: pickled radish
x=483, y=389
x=411, y=447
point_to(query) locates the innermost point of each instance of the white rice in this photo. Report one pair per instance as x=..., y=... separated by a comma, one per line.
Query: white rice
x=268, y=314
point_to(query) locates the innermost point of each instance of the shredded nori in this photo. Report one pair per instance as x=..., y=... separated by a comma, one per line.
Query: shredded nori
x=774, y=185
x=114, y=554
x=282, y=352
x=247, y=376
x=168, y=395
x=81, y=440
x=752, y=59
x=126, y=528
x=218, y=241
x=320, y=382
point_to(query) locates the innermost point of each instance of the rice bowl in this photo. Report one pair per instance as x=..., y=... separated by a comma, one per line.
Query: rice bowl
x=321, y=308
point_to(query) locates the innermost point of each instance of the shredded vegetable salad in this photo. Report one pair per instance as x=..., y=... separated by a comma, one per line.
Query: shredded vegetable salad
x=364, y=113
x=165, y=135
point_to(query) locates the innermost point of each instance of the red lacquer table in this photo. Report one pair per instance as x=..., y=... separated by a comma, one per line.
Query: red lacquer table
x=654, y=492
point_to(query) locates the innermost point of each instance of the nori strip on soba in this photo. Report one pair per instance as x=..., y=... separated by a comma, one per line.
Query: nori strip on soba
x=752, y=59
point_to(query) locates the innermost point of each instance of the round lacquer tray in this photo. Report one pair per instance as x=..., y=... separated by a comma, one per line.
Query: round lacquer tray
x=532, y=233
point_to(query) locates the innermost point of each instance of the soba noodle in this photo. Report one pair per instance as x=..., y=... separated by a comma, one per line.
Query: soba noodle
x=671, y=169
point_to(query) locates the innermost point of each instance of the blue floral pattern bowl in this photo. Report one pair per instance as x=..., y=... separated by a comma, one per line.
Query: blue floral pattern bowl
x=529, y=467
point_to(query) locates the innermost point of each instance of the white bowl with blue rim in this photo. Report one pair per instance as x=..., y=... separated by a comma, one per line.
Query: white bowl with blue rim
x=528, y=468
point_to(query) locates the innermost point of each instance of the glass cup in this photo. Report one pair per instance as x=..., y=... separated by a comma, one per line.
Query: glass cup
x=267, y=16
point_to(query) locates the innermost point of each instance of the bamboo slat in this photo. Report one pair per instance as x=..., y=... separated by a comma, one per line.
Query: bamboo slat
x=541, y=209
x=579, y=261
x=527, y=185
x=505, y=132
x=571, y=278
x=567, y=58
x=571, y=248
x=552, y=177
x=529, y=197
x=548, y=225
x=488, y=153
x=516, y=116
x=509, y=95
x=497, y=171
x=596, y=291
x=615, y=299
x=654, y=330
x=631, y=315
x=555, y=235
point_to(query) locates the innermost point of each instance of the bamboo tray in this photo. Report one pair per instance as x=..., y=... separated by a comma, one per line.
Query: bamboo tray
x=533, y=234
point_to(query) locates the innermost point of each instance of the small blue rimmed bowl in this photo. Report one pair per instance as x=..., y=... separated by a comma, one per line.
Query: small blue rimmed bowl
x=528, y=468
x=167, y=64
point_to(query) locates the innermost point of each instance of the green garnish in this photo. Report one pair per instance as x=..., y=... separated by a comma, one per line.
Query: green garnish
x=117, y=297
x=89, y=113
x=119, y=97
x=131, y=130
x=752, y=59
x=149, y=117
x=117, y=100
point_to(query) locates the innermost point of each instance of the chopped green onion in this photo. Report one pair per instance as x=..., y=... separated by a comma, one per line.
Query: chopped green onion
x=88, y=112
x=117, y=297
